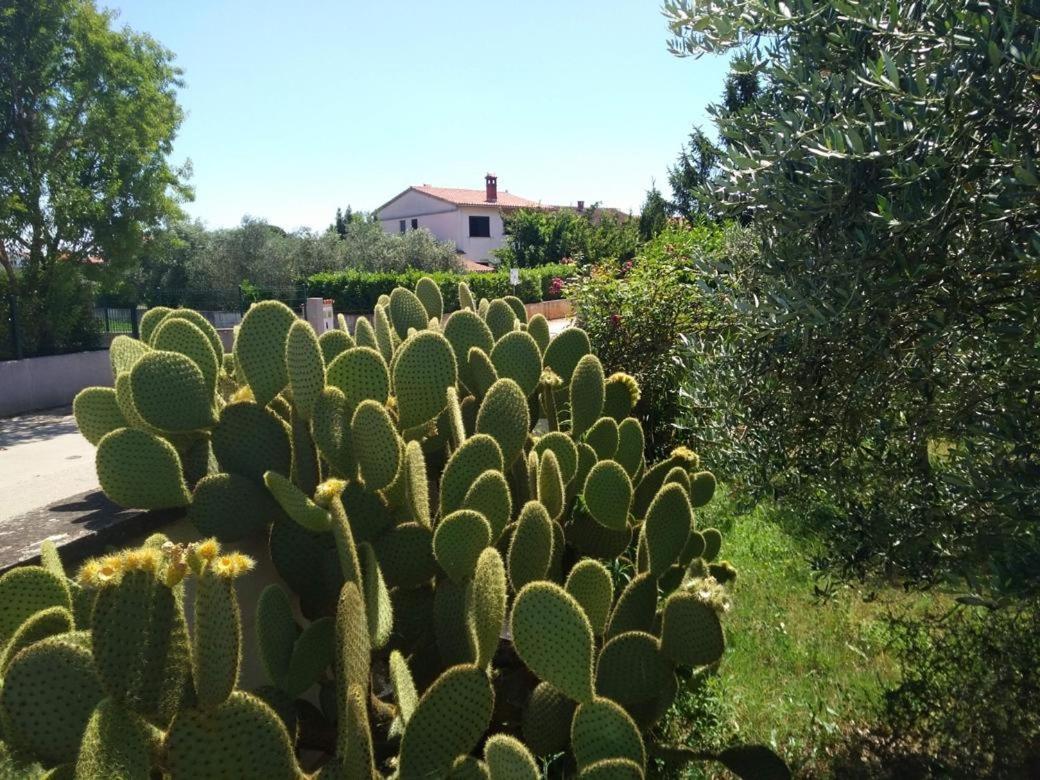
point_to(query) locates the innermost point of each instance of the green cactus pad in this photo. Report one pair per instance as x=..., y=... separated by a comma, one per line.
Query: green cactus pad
x=680, y=476
x=417, y=491
x=300, y=557
x=612, y=769
x=565, y=451
x=216, y=640
x=429, y=294
x=476, y=455
x=712, y=544
x=407, y=311
x=353, y=648
x=276, y=633
x=604, y=437
x=305, y=367
x=653, y=478
x=668, y=524
x=481, y=370
x=691, y=634
x=621, y=394
x=141, y=471
x=632, y=672
x=376, y=443
x=365, y=334
x=424, y=369
x=530, y=550
x=458, y=541
x=451, y=717
x=466, y=300
x=553, y=638
x=124, y=352
x=313, y=653
x=500, y=318
x=590, y=584
x=296, y=504
x=509, y=759
x=176, y=334
x=50, y=691
x=595, y=540
x=25, y=591
x=242, y=738
x=601, y=730
x=468, y=768
x=171, y=393
x=490, y=496
x=482, y=307
x=608, y=494
x=117, y=744
x=231, y=507
x=125, y=400
x=464, y=330
x=538, y=327
x=405, y=554
x=360, y=374
x=451, y=624
x=546, y=721
x=359, y=761
x=404, y=686
x=586, y=394
x=200, y=322
x=250, y=440
x=334, y=343
x=260, y=349
x=487, y=605
x=140, y=645
x=504, y=416
x=550, y=484
x=97, y=412
x=694, y=548
x=564, y=352
x=378, y=609
x=330, y=429
x=452, y=423
x=518, y=308
x=635, y=607
x=702, y=488
x=150, y=320
x=305, y=469
x=50, y=621
x=516, y=356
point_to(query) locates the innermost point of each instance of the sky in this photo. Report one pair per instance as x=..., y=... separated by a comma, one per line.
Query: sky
x=296, y=108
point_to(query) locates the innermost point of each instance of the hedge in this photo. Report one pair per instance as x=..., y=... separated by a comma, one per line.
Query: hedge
x=356, y=292
x=67, y=312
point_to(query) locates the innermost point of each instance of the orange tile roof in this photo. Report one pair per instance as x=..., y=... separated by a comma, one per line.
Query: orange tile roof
x=473, y=267
x=461, y=197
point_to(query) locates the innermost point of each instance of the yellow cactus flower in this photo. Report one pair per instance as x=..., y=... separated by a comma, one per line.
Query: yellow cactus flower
x=232, y=565
x=207, y=549
x=328, y=490
x=244, y=393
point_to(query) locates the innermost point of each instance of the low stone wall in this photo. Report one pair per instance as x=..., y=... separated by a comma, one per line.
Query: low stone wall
x=45, y=382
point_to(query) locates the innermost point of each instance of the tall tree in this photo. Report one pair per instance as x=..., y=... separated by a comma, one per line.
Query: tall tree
x=654, y=215
x=88, y=115
x=691, y=175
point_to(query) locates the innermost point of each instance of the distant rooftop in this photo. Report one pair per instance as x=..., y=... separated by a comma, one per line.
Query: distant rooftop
x=463, y=197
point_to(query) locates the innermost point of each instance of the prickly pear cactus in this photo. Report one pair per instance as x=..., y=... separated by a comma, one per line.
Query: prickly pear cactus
x=480, y=570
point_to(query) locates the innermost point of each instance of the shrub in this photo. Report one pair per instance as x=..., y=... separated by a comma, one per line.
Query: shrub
x=560, y=531
x=638, y=316
x=62, y=321
x=543, y=237
x=357, y=292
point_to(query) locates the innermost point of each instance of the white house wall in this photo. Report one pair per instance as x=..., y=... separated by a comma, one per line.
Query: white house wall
x=446, y=221
x=479, y=248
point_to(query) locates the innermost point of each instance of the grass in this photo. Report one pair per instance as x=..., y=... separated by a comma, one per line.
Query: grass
x=806, y=659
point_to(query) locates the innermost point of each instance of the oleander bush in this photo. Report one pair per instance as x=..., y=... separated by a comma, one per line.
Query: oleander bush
x=480, y=575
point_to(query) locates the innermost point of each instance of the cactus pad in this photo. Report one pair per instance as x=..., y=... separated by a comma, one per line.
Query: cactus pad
x=546, y=721
x=458, y=541
x=376, y=443
x=608, y=494
x=451, y=623
x=538, y=327
x=516, y=356
x=450, y=719
x=231, y=507
x=550, y=485
x=590, y=584
x=500, y=318
x=586, y=394
x=405, y=554
x=603, y=437
x=216, y=640
x=260, y=349
x=632, y=672
x=139, y=470
x=621, y=394
x=276, y=633
x=504, y=416
x=565, y=451
x=150, y=321
x=612, y=769
x=668, y=524
x=170, y=392
x=490, y=496
x=508, y=759
x=250, y=440
x=313, y=653
x=630, y=446
x=365, y=334
x=407, y=311
x=50, y=621
x=464, y=330
x=564, y=352
x=429, y=294
x=553, y=638
x=296, y=504
x=424, y=369
x=530, y=549
x=595, y=540
x=97, y=412
x=476, y=455
x=702, y=488
x=691, y=634
x=360, y=374
x=176, y=334
x=635, y=607
x=241, y=738
x=417, y=489
x=712, y=544
x=200, y=322
x=116, y=744
x=334, y=343
x=25, y=591
x=487, y=605
x=305, y=367
x=124, y=352
x=602, y=729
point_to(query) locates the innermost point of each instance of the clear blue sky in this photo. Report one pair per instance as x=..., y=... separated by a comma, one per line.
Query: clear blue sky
x=295, y=108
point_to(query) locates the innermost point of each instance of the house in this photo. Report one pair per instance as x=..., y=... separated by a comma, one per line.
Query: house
x=470, y=218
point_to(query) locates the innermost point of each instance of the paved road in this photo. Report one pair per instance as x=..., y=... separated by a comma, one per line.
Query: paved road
x=43, y=459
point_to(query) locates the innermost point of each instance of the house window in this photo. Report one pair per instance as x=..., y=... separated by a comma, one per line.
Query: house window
x=415, y=224
x=480, y=227
x=401, y=226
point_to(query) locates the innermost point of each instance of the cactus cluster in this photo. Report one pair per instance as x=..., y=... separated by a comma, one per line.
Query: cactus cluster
x=480, y=574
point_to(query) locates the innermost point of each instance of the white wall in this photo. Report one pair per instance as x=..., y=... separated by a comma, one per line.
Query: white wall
x=479, y=248
x=445, y=221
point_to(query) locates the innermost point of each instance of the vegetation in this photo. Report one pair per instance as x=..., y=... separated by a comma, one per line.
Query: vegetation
x=324, y=450
x=562, y=235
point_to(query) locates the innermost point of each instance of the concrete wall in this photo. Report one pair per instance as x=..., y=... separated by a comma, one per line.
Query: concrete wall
x=46, y=382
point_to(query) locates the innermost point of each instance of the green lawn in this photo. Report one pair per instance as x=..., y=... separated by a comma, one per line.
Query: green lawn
x=806, y=659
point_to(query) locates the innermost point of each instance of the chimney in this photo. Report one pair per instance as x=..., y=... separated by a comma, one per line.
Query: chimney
x=581, y=206
x=491, y=188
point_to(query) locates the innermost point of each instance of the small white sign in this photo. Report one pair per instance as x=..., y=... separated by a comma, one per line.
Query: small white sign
x=514, y=276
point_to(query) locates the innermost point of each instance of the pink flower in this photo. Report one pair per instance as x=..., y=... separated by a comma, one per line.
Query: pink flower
x=626, y=267
x=556, y=286
x=615, y=320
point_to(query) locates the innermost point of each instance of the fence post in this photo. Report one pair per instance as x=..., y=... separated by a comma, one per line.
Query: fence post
x=133, y=321
x=107, y=328
x=16, y=334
